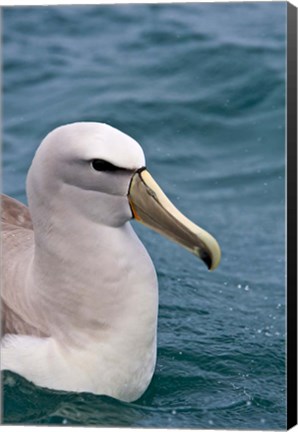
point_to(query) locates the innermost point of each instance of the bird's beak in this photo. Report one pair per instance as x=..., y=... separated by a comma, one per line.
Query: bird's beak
x=150, y=206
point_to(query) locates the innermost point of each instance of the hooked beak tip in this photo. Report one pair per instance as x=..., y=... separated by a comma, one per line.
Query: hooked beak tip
x=206, y=258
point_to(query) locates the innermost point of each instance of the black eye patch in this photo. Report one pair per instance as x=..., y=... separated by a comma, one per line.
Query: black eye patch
x=102, y=165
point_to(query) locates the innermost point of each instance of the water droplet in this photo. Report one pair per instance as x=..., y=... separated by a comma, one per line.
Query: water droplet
x=239, y=286
x=174, y=412
x=64, y=421
x=210, y=422
x=248, y=403
x=9, y=381
x=246, y=288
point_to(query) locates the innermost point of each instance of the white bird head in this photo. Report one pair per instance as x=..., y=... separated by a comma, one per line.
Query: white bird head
x=100, y=172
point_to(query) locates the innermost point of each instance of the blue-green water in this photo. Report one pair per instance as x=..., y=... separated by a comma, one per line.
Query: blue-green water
x=202, y=88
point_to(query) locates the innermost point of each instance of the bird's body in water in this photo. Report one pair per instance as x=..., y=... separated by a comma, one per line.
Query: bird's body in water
x=80, y=292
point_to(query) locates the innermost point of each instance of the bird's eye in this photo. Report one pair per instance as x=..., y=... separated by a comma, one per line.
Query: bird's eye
x=102, y=165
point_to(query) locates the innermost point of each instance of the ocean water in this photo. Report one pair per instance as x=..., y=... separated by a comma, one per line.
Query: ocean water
x=202, y=88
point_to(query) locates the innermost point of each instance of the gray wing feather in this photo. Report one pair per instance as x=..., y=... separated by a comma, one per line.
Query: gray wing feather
x=16, y=224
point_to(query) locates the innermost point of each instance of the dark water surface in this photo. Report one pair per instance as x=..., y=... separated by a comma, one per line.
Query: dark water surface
x=202, y=88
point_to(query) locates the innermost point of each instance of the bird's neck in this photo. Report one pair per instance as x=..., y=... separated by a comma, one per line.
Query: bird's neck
x=92, y=279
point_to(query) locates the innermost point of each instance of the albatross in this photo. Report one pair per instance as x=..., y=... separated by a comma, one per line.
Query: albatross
x=79, y=290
